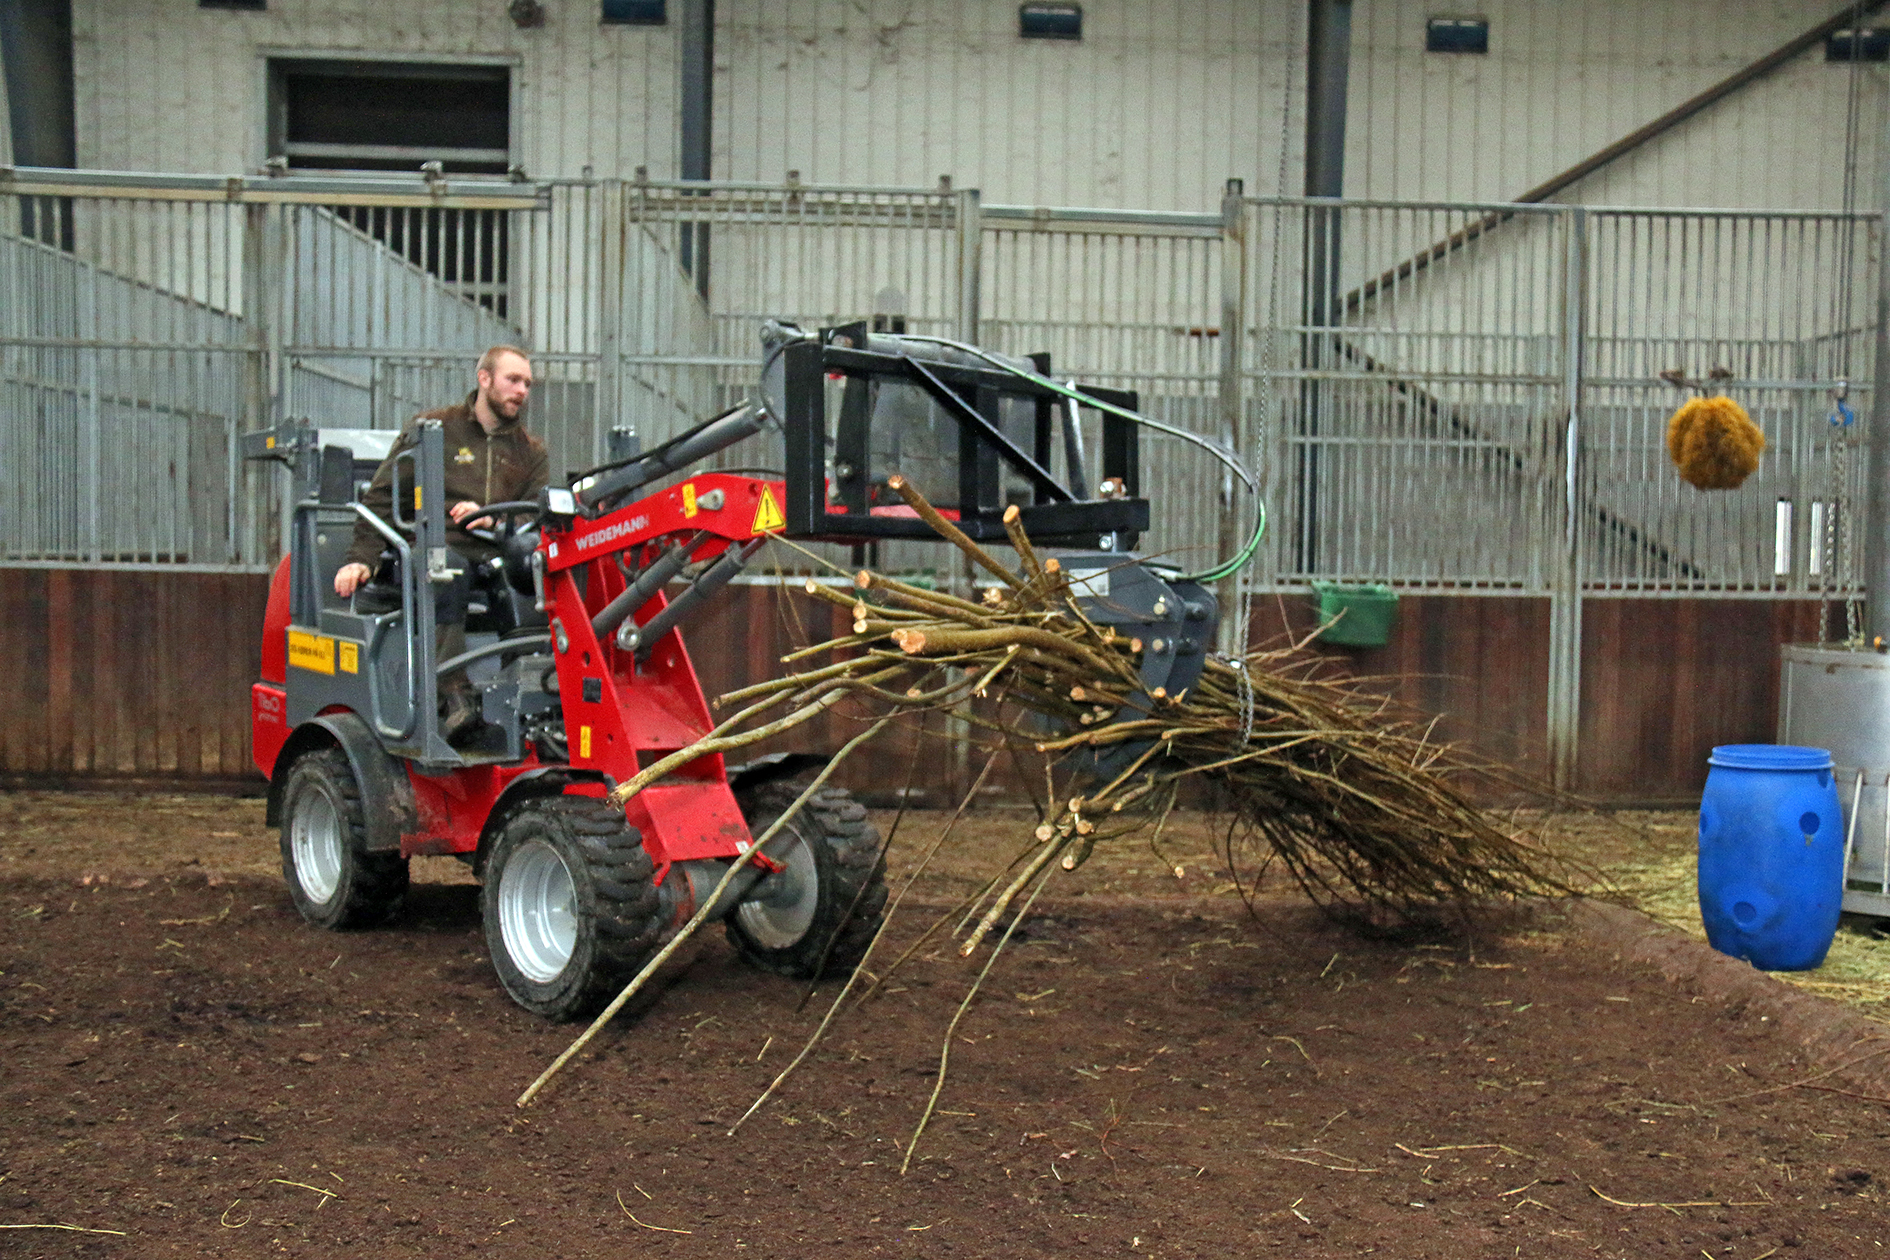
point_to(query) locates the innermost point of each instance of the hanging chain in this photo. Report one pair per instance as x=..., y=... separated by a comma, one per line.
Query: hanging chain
x=1837, y=569
x=1241, y=675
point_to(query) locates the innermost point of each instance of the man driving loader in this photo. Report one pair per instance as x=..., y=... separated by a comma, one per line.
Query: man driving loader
x=490, y=458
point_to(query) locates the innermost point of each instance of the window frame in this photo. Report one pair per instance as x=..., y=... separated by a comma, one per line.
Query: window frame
x=271, y=62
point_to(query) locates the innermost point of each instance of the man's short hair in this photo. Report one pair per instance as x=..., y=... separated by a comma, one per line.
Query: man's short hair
x=491, y=357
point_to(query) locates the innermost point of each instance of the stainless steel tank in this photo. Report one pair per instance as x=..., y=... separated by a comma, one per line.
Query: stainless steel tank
x=1839, y=700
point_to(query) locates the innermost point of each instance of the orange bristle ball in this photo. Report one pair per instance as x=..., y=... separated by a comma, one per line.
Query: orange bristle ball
x=1714, y=444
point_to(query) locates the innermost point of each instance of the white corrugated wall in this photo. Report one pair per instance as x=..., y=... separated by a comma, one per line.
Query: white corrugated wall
x=165, y=86
x=1562, y=81
x=1159, y=103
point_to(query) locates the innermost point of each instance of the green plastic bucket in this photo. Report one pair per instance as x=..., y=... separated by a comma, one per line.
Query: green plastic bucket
x=1364, y=614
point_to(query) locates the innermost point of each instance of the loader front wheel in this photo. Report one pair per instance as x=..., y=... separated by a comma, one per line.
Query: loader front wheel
x=333, y=882
x=571, y=913
x=817, y=915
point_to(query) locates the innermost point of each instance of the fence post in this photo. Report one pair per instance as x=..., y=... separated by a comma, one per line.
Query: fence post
x=970, y=225
x=970, y=222
x=1565, y=598
x=1234, y=630
x=265, y=277
x=612, y=208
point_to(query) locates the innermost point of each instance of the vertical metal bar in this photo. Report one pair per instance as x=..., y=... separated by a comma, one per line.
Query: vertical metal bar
x=90, y=452
x=614, y=227
x=1565, y=600
x=970, y=224
x=1233, y=245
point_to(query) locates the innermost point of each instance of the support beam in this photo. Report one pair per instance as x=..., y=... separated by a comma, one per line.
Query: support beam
x=1328, y=58
x=697, y=51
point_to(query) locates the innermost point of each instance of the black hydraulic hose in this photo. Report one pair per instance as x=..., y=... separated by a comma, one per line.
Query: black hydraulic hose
x=673, y=456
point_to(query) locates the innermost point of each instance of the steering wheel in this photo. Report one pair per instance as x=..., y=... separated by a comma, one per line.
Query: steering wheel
x=506, y=514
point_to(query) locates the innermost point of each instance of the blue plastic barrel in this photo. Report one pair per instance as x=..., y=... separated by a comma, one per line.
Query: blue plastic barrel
x=1771, y=855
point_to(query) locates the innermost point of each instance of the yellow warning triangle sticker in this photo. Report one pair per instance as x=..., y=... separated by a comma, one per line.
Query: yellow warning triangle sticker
x=768, y=516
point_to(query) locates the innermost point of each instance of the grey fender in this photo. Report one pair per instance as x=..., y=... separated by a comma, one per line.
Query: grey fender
x=386, y=795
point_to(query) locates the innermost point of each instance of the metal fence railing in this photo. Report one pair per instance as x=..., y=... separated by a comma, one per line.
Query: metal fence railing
x=1445, y=397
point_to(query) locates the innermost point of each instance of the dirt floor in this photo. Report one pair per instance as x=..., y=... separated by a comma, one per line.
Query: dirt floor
x=185, y=1068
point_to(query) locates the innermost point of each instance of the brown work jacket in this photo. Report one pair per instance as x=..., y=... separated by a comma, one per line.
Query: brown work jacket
x=509, y=464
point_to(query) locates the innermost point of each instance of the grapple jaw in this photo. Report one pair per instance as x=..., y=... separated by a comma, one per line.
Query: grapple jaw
x=1175, y=622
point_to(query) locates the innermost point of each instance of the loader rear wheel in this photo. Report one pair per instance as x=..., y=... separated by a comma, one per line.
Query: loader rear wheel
x=333, y=882
x=570, y=910
x=821, y=912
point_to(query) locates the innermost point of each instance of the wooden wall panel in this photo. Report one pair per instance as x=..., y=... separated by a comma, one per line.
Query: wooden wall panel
x=129, y=675
x=1480, y=665
x=1663, y=681
x=146, y=675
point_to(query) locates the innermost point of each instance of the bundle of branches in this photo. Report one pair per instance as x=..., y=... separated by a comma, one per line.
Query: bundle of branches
x=1357, y=804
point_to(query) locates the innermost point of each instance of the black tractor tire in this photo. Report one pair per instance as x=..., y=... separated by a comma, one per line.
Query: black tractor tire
x=334, y=883
x=570, y=910
x=822, y=912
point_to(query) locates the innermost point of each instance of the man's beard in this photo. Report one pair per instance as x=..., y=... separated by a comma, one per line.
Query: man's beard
x=516, y=414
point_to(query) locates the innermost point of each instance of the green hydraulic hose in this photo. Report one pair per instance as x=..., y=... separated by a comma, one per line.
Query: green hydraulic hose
x=1227, y=568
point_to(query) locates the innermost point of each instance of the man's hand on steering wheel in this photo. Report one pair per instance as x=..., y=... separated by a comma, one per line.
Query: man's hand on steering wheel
x=490, y=525
x=465, y=508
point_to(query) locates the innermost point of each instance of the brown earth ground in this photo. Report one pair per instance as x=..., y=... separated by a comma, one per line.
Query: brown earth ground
x=1150, y=1070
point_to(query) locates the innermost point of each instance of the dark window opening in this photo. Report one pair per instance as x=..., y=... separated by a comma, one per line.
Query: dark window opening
x=1870, y=43
x=632, y=13
x=1050, y=21
x=1457, y=35
x=391, y=116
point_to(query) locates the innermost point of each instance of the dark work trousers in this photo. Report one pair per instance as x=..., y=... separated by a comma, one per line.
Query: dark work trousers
x=450, y=599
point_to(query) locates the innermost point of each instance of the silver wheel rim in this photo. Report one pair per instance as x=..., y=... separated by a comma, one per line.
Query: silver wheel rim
x=315, y=843
x=538, y=911
x=781, y=909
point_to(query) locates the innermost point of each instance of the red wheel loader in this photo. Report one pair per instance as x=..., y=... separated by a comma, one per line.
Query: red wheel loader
x=576, y=652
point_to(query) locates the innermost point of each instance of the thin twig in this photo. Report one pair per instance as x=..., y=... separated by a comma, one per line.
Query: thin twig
x=951, y=1030
x=1689, y=1204
x=1799, y=1084
x=77, y=1229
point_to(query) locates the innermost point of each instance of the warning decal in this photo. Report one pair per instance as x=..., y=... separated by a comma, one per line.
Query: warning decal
x=350, y=657
x=314, y=652
x=768, y=516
